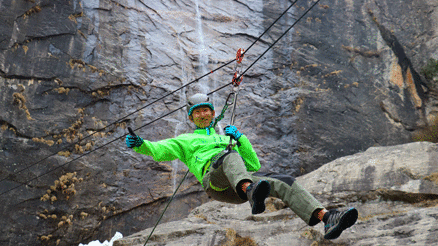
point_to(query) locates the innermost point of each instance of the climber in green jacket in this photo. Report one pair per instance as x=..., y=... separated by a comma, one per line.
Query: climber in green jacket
x=231, y=175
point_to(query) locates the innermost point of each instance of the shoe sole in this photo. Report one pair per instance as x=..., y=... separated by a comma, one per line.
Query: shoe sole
x=346, y=221
x=261, y=192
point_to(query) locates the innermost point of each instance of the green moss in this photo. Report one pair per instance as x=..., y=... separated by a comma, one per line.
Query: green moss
x=429, y=133
x=431, y=69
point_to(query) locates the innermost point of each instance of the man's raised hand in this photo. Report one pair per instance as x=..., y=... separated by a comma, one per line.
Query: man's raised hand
x=133, y=141
x=232, y=132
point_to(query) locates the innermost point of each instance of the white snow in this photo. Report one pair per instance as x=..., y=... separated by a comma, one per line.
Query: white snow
x=118, y=235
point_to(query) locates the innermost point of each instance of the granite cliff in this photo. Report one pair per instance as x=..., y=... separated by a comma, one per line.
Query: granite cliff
x=394, y=189
x=347, y=77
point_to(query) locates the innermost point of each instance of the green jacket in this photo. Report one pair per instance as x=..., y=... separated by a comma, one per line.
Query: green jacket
x=195, y=149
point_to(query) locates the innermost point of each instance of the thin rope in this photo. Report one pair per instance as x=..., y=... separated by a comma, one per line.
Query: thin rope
x=162, y=214
x=269, y=27
x=278, y=39
x=120, y=119
x=156, y=224
x=170, y=93
x=27, y=182
x=97, y=148
x=100, y=147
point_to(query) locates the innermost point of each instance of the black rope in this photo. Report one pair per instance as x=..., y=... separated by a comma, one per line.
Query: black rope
x=158, y=221
x=27, y=182
x=155, y=101
x=120, y=119
x=162, y=214
x=91, y=151
x=278, y=39
x=269, y=27
x=100, y=147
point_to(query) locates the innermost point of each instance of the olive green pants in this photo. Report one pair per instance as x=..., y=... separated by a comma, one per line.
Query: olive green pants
x=222, y=181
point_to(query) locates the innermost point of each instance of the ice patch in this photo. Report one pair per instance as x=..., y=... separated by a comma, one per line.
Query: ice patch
x=117, y=236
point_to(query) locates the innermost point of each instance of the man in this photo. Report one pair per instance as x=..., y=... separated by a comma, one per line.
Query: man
x=230, y=176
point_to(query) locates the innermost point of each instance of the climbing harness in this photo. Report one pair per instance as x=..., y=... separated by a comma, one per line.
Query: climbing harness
x=120, y=120
x=237, y=79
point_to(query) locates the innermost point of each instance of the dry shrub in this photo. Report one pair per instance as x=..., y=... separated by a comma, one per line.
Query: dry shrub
x=64, y=153
x=433, y=178
x=21, y=101
x=35, y=9
x=42, y=140
x=4, y=127
x=235, y=239
x=428, y=133
x=61, y=90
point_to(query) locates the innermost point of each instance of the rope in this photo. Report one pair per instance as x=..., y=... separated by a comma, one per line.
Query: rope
x=234, y=102
x=27, y=182
x=100, y=147
x=155, y=101
x=97, y=148
x=270, y=27
x=279, y=38
x=162, y=214
x=120, y=119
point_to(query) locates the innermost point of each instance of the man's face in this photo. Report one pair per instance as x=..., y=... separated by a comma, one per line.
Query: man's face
x=202, y=116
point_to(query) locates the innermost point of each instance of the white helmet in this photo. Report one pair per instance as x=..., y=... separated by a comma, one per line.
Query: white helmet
x=198, y=100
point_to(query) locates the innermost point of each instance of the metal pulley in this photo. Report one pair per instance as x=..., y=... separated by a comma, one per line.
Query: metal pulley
x=237, y=78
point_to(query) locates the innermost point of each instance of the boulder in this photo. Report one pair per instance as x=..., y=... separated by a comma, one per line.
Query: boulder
x=74, y=74
x=394, y=189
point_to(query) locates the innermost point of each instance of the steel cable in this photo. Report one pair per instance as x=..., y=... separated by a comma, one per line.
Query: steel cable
x=170, y=93
x=155, y=101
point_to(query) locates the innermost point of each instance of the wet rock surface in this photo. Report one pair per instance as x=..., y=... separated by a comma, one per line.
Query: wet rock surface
x=345, y=78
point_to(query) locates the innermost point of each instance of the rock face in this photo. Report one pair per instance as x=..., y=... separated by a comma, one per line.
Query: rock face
x=345, y=78
x=393, y=188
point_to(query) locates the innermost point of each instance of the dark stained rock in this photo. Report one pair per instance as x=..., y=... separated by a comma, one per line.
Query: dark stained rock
x=345, y=78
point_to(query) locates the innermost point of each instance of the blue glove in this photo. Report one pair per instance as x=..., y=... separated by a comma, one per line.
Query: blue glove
x=232, y=132
x=133, y=141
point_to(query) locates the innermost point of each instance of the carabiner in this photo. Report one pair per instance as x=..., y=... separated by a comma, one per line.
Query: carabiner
x=239, y=55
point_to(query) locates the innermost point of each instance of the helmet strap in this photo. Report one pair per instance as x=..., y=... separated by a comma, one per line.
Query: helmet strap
x=212, y=124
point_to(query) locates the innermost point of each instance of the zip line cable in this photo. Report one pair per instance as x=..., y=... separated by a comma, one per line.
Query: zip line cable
x=119, y=120
x=155, y=101
x=284, y=12
x=106, y=144
x=162, y=214
x=168, y=203
x=278, y=39
x=97, y=148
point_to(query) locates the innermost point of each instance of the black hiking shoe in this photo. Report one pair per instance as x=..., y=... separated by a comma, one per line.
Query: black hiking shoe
x=335, y=222
x=257, y=193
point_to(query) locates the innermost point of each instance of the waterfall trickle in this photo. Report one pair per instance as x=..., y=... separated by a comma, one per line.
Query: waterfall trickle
x=203, y=56
x=209, y=83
